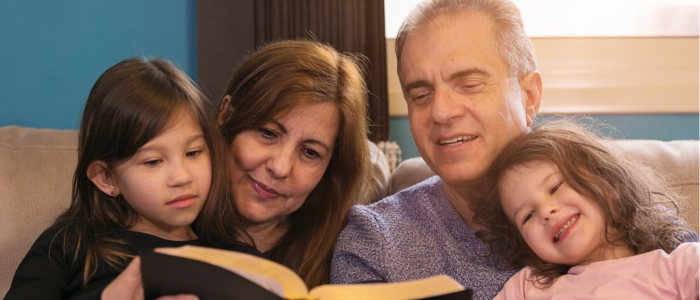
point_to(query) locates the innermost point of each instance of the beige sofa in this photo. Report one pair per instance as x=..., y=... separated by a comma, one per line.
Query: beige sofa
x=36, y=169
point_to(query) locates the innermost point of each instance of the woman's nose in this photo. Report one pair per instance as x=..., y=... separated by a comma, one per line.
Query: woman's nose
x=280, y=162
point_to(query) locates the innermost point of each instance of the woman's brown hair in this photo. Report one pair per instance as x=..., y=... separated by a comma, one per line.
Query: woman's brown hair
x=274, y=80
x=130, y=104
x=631, y=196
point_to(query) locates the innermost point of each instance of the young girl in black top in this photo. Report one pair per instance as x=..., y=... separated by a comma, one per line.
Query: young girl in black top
x=150, y=164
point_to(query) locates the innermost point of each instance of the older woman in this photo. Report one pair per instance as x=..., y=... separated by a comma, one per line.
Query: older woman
x=294, y=120
x=294, y=117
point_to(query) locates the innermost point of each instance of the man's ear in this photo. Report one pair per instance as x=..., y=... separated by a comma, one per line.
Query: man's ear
x=102, y=177
x=225, y=110
x=532, y=88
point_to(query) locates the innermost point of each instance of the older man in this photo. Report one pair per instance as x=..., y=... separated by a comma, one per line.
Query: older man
x=469, y=76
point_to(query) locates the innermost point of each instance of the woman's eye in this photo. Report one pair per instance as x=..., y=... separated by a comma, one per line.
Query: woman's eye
x=193, y=153
x=555, y=188
x=528, y=216
x=310, y=153
x=152, y=163
x=266, y=133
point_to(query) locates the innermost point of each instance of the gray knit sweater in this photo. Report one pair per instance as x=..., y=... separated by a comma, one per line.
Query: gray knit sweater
x=414, y=234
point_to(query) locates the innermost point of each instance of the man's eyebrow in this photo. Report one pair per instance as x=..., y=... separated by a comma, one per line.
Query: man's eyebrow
x=468, y=72
x=416, y=84
x=458, y=74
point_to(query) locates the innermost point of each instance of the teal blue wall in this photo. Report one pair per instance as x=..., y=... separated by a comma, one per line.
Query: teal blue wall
x=661, y=127
x=51, y=52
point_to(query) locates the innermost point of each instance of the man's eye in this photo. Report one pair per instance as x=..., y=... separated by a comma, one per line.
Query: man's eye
x=528, y=216
x=420, y=96
x=555, y=188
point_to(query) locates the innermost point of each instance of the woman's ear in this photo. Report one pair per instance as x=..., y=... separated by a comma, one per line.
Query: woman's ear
x=225, y=110
x=102, y=177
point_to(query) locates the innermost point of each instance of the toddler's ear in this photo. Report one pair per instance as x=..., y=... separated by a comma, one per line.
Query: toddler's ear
x=99, y=173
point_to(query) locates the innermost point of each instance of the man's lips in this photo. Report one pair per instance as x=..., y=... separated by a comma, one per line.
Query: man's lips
x=182, y=201
x=262, y=190
x=454, y=141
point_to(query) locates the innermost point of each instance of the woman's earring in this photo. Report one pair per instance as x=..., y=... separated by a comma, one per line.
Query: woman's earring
x=112, y=193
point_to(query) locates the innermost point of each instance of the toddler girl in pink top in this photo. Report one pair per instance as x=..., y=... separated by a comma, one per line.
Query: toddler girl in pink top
x=583, y=222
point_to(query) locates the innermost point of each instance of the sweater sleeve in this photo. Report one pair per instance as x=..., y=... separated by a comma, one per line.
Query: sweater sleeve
x=358, y=253
x=685, y=261
x=44, y=272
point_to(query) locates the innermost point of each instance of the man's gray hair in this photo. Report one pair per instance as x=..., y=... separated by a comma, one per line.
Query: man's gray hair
x=511, y=42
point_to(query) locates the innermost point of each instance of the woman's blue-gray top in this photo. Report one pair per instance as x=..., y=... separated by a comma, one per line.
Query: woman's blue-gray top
x=414, y=234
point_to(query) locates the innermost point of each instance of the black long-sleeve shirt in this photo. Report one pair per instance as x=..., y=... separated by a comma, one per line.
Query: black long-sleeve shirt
x=47, y=272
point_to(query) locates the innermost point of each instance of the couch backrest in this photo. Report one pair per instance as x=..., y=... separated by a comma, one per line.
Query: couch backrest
x=36, y=170
x=675, y=160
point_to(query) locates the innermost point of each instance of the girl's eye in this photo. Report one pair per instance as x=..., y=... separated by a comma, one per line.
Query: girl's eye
x=193, y=153
x=152, y=163
x=555, y=188
x=310, y=153
x=528, y=216
x=266, y=133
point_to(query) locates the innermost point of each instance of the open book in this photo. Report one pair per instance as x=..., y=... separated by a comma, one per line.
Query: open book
x=220, y=274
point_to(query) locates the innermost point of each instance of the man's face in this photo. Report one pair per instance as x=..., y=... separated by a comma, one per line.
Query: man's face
x=462, y=107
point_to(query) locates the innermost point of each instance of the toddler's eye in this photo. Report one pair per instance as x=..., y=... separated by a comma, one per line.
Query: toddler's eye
x=555, y=188
x=528, y=216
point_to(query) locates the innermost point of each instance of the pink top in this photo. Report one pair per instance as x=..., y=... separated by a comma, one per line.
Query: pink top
x=652, y=275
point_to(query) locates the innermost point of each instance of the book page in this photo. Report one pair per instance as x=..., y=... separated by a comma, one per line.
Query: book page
x=293, y=286
x=417, y=289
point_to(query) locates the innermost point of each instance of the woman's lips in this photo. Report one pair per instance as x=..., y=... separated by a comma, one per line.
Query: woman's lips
x=262, y=190
x=182, y=201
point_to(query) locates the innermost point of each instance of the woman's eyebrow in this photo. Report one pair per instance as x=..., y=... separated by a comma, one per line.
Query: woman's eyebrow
x=281, y=127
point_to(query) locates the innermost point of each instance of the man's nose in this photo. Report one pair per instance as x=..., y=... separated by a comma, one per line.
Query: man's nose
x=445, y=107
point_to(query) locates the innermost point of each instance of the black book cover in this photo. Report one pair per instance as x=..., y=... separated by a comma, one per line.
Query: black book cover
x=164, y=275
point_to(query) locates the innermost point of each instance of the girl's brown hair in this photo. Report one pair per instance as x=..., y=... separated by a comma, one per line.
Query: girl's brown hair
x=274, y=80
x=630, y=195
x=130, y=104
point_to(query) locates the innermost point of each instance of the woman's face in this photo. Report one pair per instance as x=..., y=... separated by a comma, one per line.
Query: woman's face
x=276, y=166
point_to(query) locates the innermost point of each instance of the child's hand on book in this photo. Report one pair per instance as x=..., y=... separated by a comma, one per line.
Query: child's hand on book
x=128, y=285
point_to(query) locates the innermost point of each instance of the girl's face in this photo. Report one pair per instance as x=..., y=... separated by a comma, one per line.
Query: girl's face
x=167, y=181
x=276, y=166
x=559, y=225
